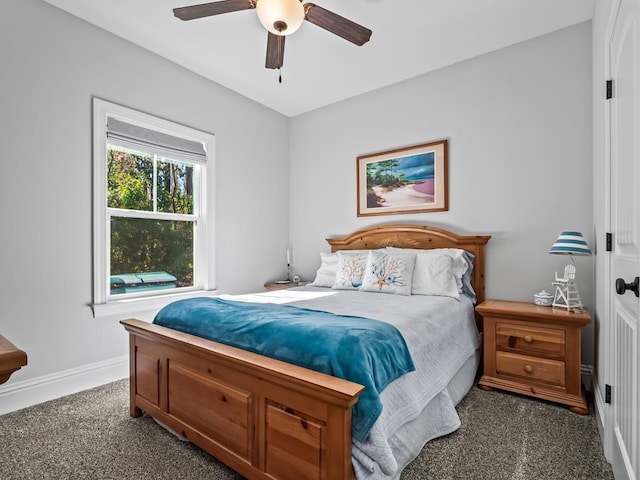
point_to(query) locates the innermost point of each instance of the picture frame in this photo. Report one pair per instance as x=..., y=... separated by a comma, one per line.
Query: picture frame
x=404, y=180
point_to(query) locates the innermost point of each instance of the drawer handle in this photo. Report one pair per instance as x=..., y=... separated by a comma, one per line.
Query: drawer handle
x=528, y=338
x=528, y=368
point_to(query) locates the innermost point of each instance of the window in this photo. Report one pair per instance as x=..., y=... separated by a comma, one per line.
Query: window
x=150, y=210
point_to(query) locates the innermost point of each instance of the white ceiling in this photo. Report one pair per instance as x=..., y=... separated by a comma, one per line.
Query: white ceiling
x=410, y=37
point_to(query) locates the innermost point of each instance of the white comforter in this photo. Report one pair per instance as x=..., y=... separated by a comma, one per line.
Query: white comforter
x=441, y=335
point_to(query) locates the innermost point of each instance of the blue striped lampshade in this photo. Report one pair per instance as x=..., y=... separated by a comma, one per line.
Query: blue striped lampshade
x=570, y=243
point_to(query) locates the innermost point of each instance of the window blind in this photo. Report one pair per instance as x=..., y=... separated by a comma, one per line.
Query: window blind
x=134, y=137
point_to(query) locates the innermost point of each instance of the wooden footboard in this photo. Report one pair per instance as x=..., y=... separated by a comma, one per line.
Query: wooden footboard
x=264, y=418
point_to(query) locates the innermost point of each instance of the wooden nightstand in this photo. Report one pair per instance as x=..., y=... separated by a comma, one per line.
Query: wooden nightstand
x=281, y=285
x=534, y=351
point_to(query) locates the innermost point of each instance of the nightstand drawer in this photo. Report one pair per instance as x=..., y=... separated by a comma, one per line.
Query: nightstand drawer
x=530, y=339
x=532, y=368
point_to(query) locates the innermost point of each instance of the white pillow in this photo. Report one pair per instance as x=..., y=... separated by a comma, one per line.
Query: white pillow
x=424, y=272
x=389, y=272
x=436, y=277
x=326, y=274
x=351, y=265
x=460, y=264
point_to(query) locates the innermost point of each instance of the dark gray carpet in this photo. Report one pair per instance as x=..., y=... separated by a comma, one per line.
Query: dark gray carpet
x=505, y=436
x=90, y=435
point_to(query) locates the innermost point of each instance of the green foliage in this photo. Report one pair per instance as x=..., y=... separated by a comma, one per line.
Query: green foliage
x=129, y=180
x=175, y=187
x=142, y=245
x=381, y=174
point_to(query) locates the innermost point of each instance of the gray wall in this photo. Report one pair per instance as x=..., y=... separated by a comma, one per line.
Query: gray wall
x=518, y=122
x=52, y=66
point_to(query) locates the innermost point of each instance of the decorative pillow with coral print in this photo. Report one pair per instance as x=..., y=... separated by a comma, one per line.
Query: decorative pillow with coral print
x=351, y=267
x=326, y=274
x=389, y=272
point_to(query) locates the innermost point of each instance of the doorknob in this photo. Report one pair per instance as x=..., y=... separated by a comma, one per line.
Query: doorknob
x=622, y=287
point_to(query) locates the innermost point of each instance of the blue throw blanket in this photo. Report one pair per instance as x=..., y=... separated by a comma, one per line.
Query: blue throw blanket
x=369, y=352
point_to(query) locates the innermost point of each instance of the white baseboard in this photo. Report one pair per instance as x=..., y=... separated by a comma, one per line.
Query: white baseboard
x=600, y=407
x=18, y=395
x=590, y=381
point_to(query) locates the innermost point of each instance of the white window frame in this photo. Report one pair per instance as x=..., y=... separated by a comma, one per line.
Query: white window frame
x=204, y=267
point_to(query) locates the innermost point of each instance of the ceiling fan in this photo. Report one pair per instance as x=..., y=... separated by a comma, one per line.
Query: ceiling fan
x=281, y=18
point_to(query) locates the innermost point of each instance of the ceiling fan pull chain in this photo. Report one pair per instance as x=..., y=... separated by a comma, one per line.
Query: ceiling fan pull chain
x=281, y=48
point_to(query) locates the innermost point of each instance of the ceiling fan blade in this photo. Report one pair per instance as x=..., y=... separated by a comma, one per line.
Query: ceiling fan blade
x=214, y=8
x=334, y=23
x=275, y=51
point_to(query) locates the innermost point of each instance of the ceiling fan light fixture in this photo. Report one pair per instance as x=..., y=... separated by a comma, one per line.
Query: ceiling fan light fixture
x=280, y=17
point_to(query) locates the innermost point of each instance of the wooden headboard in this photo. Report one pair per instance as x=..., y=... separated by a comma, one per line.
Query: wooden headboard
x=418, y=236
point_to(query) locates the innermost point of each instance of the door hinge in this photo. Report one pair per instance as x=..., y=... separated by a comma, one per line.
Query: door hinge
x=609, y=245
x=607, y=394
x=609, y=89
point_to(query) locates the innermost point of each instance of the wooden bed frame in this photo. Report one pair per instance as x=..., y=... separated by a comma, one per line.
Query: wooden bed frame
x=264, y=418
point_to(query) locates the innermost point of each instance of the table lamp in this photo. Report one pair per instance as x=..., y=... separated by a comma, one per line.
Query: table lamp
x=568, y=243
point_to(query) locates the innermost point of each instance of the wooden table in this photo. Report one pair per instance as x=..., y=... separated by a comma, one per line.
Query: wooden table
x=534, y=351
x=282, y=284
x=11, y=359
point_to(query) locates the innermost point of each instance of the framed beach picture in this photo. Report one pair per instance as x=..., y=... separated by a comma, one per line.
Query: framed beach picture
x=404, y=180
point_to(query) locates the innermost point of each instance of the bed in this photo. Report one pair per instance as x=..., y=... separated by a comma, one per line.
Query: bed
x=269, y=419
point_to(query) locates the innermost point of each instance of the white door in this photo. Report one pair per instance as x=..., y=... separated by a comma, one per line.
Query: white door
x=625, y=225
